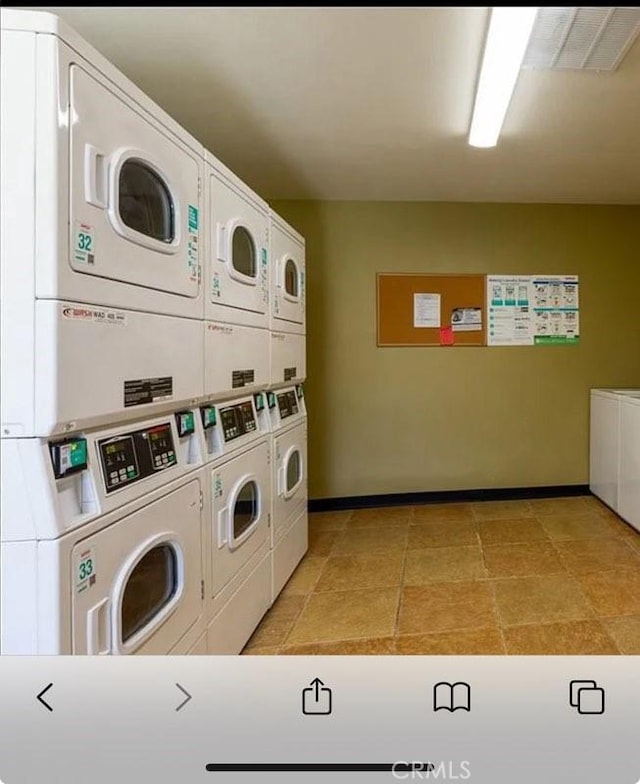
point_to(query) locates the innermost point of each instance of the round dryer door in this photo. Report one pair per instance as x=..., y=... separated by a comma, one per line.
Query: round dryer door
x=152, y=584
x=145, y=203
x=292, y=472
x=243, y=252
x=291, y=280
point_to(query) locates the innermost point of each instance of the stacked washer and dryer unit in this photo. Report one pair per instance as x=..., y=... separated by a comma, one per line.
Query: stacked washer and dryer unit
x=135, y=519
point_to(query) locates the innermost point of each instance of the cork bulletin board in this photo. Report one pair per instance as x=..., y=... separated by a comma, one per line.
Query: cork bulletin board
x=431, y=310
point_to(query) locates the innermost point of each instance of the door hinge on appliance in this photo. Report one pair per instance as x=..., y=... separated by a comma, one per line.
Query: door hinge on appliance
x=202, y=589
x=201, y=500
x=269, y=521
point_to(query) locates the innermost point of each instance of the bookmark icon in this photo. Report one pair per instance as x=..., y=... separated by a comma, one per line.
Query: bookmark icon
x=452, y=696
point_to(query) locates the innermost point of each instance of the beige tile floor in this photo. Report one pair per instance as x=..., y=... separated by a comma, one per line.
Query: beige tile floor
x=557, y=576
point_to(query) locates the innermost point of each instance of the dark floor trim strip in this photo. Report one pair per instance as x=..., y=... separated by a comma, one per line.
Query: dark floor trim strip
x=445, y=497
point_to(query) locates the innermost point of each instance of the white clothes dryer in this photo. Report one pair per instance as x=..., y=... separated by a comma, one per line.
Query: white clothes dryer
x=99, y=245
x=237, y=270
x=112, y=213
x=129, y=582
x=289, y=517
x=287, y=261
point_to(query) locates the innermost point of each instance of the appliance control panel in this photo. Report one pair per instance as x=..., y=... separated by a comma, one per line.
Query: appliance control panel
x=238, y=420
x=287, y=403
x=128, y=457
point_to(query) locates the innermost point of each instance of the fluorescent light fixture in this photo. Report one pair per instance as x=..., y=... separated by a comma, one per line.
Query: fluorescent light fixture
x=507, y=39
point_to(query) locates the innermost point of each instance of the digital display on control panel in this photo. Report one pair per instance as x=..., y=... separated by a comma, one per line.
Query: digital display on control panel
x=119, y=462
x=246, y=415
x=230, y=426
x=288, y=404
x=161, y=447
x=237, y=420
x=136, y=455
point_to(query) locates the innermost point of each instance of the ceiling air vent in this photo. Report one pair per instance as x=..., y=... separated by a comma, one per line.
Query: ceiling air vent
x=581, y=38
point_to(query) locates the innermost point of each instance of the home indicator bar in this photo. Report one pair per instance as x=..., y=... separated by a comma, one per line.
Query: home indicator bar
x=318, y=767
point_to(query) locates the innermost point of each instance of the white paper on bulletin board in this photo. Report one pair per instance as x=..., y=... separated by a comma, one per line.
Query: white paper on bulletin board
x=528, y=310
x=426, y=310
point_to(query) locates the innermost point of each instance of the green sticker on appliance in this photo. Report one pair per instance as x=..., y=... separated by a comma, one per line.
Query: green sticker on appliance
x=193, y=218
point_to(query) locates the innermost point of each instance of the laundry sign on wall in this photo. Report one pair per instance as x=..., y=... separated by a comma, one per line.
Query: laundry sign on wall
x=531, y=310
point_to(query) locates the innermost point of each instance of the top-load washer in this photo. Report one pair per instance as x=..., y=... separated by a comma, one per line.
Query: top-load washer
x=101, y=195
x=237, y=269
x=287, y=261
x=604, y=447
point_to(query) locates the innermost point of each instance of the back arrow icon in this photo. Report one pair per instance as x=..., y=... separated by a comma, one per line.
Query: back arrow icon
x=184, y=702
x=39, y=697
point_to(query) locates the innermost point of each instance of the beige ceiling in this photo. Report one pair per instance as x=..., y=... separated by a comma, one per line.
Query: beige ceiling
x=373, y=103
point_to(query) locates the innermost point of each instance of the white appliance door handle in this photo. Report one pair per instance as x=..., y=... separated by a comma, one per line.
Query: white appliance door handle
x=221, y=241
x=95, y=176
x=99, y=629
x=281, y=480
x=222, y=528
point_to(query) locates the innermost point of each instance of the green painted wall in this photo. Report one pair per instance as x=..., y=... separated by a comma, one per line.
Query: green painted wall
x=391, y=420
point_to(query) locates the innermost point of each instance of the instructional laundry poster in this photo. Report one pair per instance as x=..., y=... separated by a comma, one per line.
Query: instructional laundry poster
x=556, y=309
x=426, y=310
x=509, y=310
x=532, y=310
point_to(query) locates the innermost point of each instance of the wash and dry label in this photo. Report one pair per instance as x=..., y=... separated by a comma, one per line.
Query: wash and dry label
x=115, y=318
x=240, y=378
x=83, y=243
x=84, y=570
x=192, y=241
x=139, y=391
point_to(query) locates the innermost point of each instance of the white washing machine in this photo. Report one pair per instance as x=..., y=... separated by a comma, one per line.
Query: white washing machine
x=100, y=239
x=102, y=541
x=629, y=486
x=288, y=359
x=287, y=261
x=237, y=269
x=235, y=442
x=289, y=518
x=236, y=359
x=604, y=447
